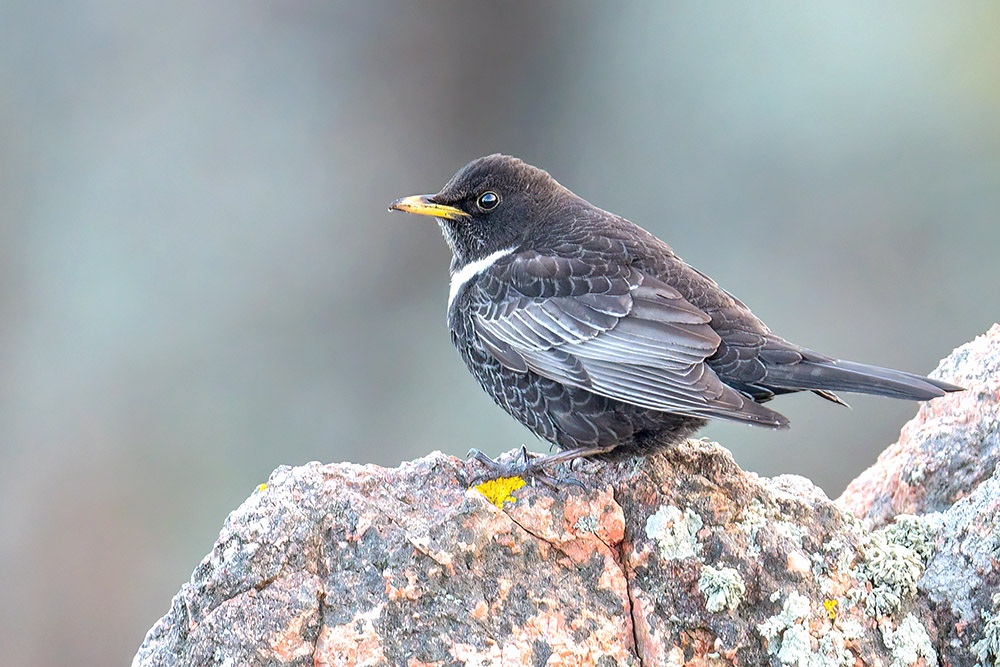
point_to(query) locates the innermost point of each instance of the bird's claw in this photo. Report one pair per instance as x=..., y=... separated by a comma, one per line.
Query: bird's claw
x=524, y=464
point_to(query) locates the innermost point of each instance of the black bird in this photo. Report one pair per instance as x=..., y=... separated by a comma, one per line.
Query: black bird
x=591, y=332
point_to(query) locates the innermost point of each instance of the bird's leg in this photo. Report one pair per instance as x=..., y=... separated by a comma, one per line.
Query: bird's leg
x=521, y=466
x=571, y=454
x=482, y=458
x=534, y=467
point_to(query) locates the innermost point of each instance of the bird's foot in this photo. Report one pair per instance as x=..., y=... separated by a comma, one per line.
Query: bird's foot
x=534, y=467
x=526, y=465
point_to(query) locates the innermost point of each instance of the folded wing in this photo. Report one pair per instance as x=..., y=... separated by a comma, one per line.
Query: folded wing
x=610, y=329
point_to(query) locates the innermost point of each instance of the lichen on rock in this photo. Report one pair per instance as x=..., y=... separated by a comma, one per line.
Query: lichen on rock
x=987, y=649
x=722, y=587
x=675, y=532
x=786, y=633
x=917, y=532
x=909, y=642
x=893, y=571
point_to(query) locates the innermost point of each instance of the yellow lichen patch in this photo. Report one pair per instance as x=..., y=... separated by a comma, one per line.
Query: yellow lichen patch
x=831, y=609
x=498, y=491
x=261, y=487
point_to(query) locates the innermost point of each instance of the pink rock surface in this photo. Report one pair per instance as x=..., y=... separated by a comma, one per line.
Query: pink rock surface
x=944, y=452
x=361, y=565
x=677, y=559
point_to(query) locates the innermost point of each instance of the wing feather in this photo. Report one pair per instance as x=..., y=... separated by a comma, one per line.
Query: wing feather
x=610, y=329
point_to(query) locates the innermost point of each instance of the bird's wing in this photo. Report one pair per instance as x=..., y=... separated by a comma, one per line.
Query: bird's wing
x=609, y=328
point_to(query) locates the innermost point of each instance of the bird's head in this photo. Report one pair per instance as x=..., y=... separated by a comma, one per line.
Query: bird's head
x=491, y=204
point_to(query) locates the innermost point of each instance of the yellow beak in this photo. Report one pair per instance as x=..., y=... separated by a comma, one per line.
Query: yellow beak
x=422, y=205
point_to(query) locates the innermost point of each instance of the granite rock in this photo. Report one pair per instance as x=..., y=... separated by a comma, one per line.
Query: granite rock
x=676, y=559
x=947, y=450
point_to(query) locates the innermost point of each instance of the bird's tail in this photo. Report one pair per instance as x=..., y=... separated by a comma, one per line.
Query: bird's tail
x=839, y=375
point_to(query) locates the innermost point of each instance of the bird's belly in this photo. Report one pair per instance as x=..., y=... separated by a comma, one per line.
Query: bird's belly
x=517, y=393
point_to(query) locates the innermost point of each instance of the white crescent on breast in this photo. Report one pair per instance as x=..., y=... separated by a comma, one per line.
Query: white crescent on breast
x=472, y=269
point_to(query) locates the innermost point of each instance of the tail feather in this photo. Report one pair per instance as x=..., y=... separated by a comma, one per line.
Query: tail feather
x=839, y=375
x=830, y=396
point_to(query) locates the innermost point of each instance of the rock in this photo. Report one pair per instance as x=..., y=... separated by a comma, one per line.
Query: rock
x=661, y=561
x=362, y=565
x=940, y=484
x=677, y=559
x=962, y=581
x=948, y=449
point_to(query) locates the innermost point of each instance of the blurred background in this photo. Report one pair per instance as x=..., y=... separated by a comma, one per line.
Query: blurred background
x=199, y=280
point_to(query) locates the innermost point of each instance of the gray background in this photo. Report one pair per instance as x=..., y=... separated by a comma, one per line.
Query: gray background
x=199, y=280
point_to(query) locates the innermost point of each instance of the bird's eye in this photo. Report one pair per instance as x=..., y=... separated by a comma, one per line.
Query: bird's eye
x=488, y=200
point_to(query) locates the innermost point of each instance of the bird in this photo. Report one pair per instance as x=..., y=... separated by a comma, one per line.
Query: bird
x=592, y=333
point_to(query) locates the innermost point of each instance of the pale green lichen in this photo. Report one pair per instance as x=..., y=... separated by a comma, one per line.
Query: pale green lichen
x=785, y=632
x=586, y=524
x=796, y=646
x=752, y=521
x=893, y=570
x=675, y=532
x=851, y=629
x=833, y=652
x=987, y=649
x=908, y=643
x=788, y=638
x=916, y=532
x=723, y=588
x=792, y=532
x=755, y=516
